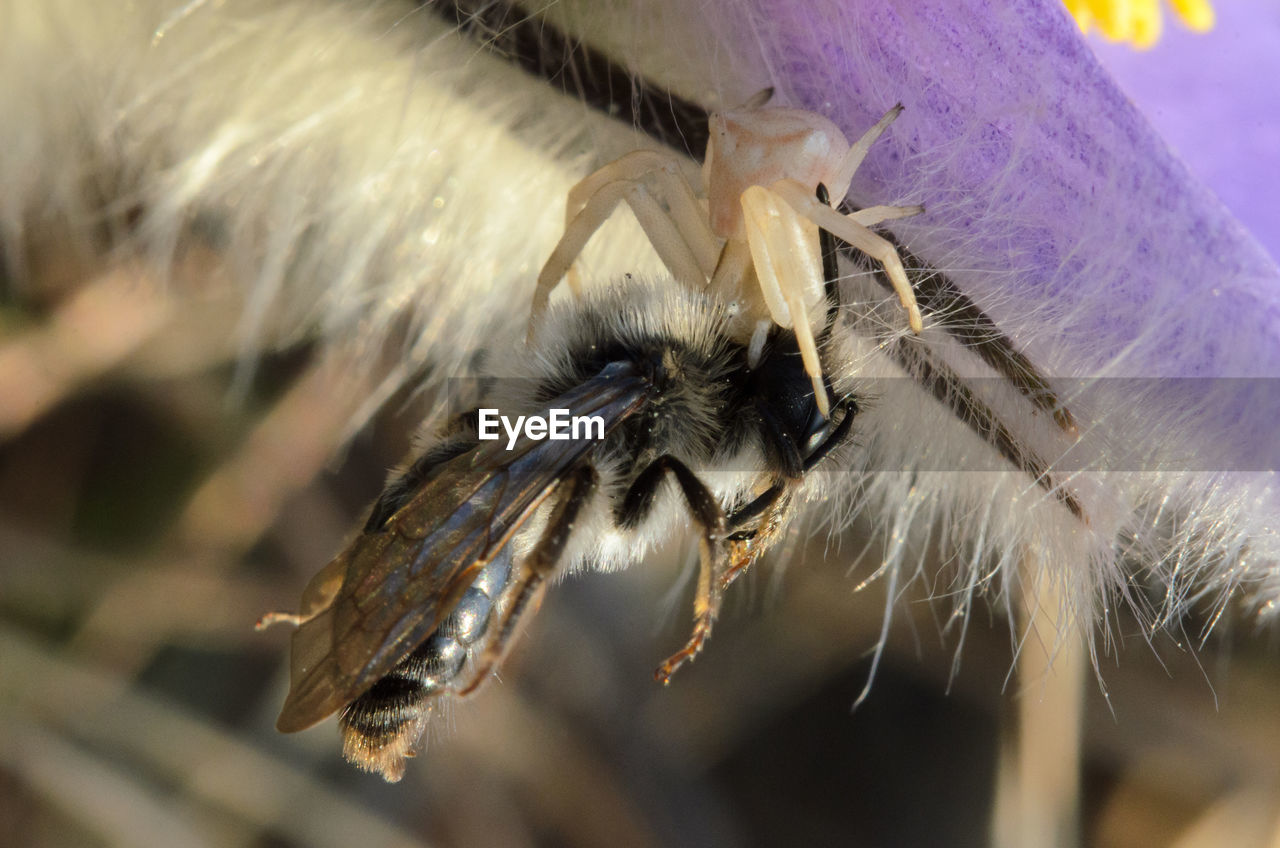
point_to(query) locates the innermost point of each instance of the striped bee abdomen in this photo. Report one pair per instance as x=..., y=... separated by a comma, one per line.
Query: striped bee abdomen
x=381, y=727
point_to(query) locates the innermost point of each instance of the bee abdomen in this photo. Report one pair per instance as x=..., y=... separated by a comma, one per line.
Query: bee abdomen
x=381, y=728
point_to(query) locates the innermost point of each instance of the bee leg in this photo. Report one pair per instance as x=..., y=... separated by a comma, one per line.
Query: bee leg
x=746, y=547
x=711, y=575
x=771, y=505
x=751, y=510
x=316, y=598
x=836, y=436
x=536, y=568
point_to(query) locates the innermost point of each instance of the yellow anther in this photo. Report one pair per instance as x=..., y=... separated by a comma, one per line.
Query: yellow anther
x=1196, y=14
x=1137, y=22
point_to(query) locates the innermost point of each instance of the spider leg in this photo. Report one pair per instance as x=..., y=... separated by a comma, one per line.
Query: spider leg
x=829, y=252
x=711, y=548
x=535, y=569
x=873, y=215
x=664, y=169
x=846, y=228
x=658, y=225
x=852, y=160
x=785, y=253
x=734, y=281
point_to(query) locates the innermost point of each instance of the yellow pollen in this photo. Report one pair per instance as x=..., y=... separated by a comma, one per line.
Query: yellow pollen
x=1137, y=22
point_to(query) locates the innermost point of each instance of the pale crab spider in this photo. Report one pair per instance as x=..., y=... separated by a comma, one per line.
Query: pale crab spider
x=760, y=219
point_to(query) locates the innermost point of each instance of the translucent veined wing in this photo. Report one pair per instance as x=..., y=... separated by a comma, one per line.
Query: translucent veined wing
x=399, y=581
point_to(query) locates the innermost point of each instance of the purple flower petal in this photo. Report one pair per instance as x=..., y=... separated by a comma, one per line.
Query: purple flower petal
x=1214, y=98
x=1036, y=168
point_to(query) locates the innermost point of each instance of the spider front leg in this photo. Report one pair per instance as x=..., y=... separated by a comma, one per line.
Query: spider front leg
x=854, y=229
x=788, y=264
x=858, y=151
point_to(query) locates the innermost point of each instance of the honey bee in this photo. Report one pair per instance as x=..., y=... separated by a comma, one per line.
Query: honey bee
x=425, y=602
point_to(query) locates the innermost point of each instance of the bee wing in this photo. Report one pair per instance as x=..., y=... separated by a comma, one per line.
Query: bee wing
x=402, y=579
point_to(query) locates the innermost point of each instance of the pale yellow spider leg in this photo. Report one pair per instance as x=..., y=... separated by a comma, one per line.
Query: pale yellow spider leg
x=664, y=168
x=759, y=209
x=633, y=166
x=873, y=215
x=848, y=229
x=574, y=279
x=760, y=335
x=629, y=167
x=784, y=250
x=577, y=232
x=731, y=271
x=757, y=100
x=667, y=238
x=657, y=225
x=734, y=282
x=690, y=217
x=852, y=160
